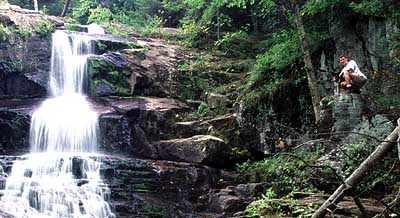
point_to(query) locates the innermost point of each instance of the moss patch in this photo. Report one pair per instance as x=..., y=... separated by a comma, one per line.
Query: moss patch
x=209, y=72
x=103, y=72
x=388, y=100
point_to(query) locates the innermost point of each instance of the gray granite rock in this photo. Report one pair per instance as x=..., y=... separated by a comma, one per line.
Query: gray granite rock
x=201, y=149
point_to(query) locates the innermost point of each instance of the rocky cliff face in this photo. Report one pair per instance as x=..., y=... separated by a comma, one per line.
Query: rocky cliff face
x=365, y=40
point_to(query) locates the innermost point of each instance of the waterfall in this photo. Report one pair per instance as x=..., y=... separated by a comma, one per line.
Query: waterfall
x=65, y=122
x=60, y=177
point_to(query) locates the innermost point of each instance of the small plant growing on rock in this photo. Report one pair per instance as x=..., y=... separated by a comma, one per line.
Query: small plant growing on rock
x=203, y=108
x=271, y=206
x=4, y=32
x=44, y=28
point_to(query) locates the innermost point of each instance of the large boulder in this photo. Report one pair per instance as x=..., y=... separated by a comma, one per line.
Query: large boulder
x=14, y=128
x=201, y=149
x=25, y=51
x=222, y=126
x=232, y=199
x=223, y=201
x=160, y=67
x=116, y=136
x=217, y=102
x=24, y=66
x=17, y=84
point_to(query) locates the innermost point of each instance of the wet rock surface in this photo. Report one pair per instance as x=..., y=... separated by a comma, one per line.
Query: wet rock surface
x=133, y=124
x=126, y=125
x=14, y=125
x=151, y=188
x=146, y=188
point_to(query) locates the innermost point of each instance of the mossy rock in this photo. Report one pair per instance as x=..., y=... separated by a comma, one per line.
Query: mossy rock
x=107, y=78
x=151, y=210
x=194, y=84
x=135, y=53
x=103, y=87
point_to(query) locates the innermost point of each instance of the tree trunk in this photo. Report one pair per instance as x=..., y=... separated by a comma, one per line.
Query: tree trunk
x=312, y=82
x=35, y=5
x=218, y=24
x=66, y=6
x=253, y=18
x=358, y=174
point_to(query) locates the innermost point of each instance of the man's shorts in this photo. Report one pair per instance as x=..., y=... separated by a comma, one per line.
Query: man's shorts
x=357, y=81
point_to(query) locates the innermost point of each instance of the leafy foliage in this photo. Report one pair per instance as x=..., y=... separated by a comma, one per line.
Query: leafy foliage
x=270, y=206
x=44, y=28
x=236, y=44
x=100, y=15
x=312, y=7
x=5, y=32
x=377, y=8
x=203, y=108
x=284, y=49
x=286, y=173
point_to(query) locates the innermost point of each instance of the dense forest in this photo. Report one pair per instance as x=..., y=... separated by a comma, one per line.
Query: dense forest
x=257, y=76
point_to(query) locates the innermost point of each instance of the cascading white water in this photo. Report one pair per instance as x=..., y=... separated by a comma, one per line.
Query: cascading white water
x=60, y=178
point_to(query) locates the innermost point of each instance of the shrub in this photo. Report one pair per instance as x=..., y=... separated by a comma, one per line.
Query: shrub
x=203, y=108
x=235, y=44
x=44, y=28
x=286, y=173
x=100, y=15
x=270, y=206
x=4, y=32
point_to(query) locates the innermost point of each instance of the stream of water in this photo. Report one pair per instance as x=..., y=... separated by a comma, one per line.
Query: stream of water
x=60, y=177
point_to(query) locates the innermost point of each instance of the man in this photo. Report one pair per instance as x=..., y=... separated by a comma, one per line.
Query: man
x=354, y=79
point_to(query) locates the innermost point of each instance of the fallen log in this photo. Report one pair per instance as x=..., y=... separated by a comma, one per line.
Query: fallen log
x=356, y=177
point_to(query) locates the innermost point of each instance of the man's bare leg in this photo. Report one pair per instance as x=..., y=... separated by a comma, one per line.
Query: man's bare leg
x=347, y=80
